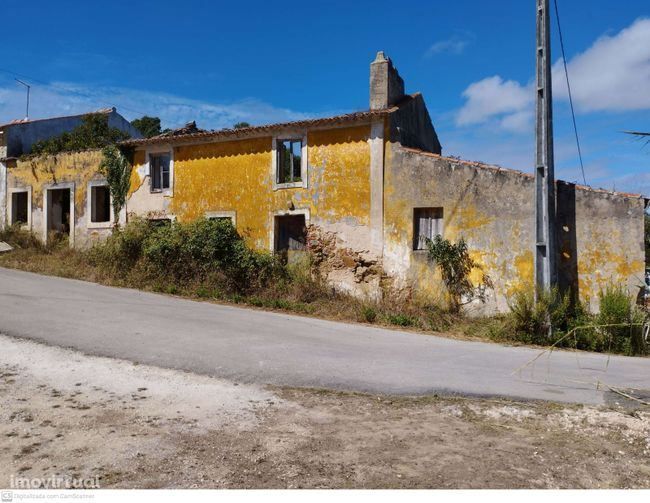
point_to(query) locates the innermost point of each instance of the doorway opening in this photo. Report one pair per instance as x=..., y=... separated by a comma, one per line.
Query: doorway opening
x=59, y=209
x=291, y=237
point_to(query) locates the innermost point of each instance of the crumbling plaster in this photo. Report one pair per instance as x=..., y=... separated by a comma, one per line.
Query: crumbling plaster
x=492, y=209
x=71, y=170
x=238, y=176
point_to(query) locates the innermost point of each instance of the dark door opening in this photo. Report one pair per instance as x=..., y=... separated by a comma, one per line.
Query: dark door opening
x=58, y=211
x=19, y=208
x=290, y=236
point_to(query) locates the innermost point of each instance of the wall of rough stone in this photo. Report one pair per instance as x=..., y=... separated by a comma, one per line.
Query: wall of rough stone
x=347, y=270
x=493, y=209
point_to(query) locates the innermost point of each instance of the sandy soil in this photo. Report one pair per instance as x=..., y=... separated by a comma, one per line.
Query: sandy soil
x=66, y=414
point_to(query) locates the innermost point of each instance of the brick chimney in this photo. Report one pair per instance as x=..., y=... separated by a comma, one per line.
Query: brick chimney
x=386, y=86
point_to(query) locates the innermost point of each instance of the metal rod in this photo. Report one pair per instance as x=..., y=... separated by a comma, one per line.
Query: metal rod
x=28, y=88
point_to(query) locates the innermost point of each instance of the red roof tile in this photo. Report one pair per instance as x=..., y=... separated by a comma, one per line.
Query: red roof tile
x=266, y=128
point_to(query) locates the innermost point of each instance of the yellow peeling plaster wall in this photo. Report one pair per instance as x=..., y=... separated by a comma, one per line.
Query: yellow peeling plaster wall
x=493, y=209
x=610, y=247
x=237, y=176
x=77, y=167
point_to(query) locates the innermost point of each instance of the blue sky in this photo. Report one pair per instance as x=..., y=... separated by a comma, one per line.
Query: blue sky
x=222, y=62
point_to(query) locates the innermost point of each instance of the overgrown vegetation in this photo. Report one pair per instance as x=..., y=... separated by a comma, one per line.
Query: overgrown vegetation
x=116, y=167
x=206, y=253
x=456, y=264
x=208, y=259
x=615, y=331
x=615, y=328
x=532, y=318
x=93, y=133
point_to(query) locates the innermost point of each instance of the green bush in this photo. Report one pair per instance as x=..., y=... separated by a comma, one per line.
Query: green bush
x=199, y=252
x=93, y=132
x=617, y=307
x=122, y=250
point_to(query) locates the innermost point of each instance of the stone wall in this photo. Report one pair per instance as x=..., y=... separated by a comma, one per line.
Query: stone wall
x=356, y=272
x=601, y=234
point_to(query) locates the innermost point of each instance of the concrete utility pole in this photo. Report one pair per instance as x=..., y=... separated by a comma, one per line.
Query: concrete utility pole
x=545, y=247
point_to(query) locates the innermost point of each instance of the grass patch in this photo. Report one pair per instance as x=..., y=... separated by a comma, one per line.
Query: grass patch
x=369, y=314
x=401, y=320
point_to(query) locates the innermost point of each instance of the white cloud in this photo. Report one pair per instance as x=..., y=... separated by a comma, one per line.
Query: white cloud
x=64, y=98
x=611, y=75
x=453, y=45
x=494, y=97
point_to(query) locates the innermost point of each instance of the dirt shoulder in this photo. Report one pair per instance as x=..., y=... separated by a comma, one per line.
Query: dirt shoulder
x=66, y=414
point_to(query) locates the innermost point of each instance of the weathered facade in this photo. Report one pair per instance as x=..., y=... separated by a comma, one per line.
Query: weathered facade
x=61, y=193
x=600, y=233
x=361, y=191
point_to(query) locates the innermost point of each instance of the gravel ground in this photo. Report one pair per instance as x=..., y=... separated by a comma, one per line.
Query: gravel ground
x=63, y=413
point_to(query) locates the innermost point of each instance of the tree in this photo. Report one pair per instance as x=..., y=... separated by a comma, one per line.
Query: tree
x=148, y=126
x=240, y=125
x=93, y=132
x=116, y=167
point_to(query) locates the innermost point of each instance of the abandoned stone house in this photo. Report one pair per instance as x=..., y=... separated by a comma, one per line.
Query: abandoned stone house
x=39, y=192
x=362, y=191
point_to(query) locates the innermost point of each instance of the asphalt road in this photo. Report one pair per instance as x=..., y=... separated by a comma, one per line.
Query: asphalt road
x=252, y=346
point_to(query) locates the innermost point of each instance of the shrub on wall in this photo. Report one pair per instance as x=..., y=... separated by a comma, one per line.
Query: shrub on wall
x=455, y=266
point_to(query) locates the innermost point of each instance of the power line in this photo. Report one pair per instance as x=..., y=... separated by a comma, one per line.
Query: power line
x=69, y=91
x=568, y=85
